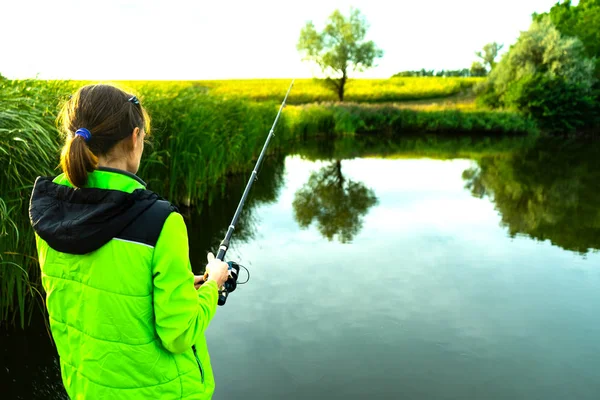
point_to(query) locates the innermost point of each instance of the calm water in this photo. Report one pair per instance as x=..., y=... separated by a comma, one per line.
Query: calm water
x=412, y=278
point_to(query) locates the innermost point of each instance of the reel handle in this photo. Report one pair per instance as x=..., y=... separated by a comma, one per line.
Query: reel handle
x=222, y=297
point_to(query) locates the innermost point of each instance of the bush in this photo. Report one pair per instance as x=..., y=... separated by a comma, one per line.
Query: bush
x=548, y=77
x=559, y=107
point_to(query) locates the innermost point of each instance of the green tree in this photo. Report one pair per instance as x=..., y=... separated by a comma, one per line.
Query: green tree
x=489, y=54
x=546, y=75
x=336, y=203
x=581, y=21
x=339, y=48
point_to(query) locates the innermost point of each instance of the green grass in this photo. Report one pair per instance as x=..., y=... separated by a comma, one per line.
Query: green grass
x=309, y=120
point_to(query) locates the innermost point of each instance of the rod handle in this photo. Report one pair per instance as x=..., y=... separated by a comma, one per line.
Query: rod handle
x=222, y=250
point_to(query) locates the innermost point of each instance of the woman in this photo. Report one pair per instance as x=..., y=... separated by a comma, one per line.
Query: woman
x=127, y=314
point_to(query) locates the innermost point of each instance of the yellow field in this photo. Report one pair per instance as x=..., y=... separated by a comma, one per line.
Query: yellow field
x=357, y=90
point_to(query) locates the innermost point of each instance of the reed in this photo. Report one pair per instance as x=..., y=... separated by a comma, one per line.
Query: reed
x=28, y=148
x=197, y=139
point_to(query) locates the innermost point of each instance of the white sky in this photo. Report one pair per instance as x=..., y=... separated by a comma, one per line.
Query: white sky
x=180, y=39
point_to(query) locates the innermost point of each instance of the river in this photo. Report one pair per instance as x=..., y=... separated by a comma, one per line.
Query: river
x=376, y=274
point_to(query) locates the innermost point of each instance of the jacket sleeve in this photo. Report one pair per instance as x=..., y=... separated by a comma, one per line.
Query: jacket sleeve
x=181, y=312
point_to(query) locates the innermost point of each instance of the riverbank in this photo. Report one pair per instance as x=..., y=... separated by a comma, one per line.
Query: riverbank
x=397, y=120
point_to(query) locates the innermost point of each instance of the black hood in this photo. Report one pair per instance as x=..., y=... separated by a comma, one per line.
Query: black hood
x=79, y=221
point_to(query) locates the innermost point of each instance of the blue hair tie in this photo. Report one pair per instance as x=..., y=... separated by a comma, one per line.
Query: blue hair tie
x=84, y=133
x=134, y=100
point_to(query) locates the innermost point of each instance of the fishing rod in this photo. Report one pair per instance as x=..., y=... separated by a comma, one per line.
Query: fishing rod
x=234, y=268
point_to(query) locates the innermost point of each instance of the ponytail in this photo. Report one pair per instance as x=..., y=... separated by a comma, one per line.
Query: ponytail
x=77, y=160
x=112, y=115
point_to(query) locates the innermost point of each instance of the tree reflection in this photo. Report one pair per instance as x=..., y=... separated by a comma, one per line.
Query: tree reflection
x=336, y=204
x=548, y=192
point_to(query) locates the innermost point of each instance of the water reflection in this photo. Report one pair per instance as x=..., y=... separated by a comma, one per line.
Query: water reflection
x=550, y=191
x=335, y=203
x=30, y=365
x=208, y=224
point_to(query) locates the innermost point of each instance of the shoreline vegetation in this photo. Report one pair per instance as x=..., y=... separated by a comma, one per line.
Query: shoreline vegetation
x=204, y=131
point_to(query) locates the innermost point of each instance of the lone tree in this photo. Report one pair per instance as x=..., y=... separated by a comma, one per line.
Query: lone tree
x=340, y=47
x=489, y=54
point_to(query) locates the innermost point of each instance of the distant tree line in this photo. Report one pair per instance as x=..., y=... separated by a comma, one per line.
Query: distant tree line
x=478, y=68
x=465, y=72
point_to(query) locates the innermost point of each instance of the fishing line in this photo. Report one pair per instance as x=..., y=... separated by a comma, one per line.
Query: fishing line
x=248, y=272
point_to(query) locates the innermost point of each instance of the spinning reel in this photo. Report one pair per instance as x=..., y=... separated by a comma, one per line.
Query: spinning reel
x=231, y=283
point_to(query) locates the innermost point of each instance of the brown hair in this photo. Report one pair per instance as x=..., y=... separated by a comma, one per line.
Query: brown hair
x=110, y=114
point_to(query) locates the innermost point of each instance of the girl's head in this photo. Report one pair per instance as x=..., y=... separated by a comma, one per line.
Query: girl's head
x=117, y=124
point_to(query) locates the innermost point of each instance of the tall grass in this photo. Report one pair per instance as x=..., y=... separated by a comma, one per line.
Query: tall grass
x=336, y=119
x=28, y=148
x=197, y=139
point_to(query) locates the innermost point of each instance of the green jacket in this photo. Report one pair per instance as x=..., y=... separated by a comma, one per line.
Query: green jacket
x=124, y=314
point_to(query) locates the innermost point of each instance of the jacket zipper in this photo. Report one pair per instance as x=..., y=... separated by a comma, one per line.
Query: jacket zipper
x=199, y=363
